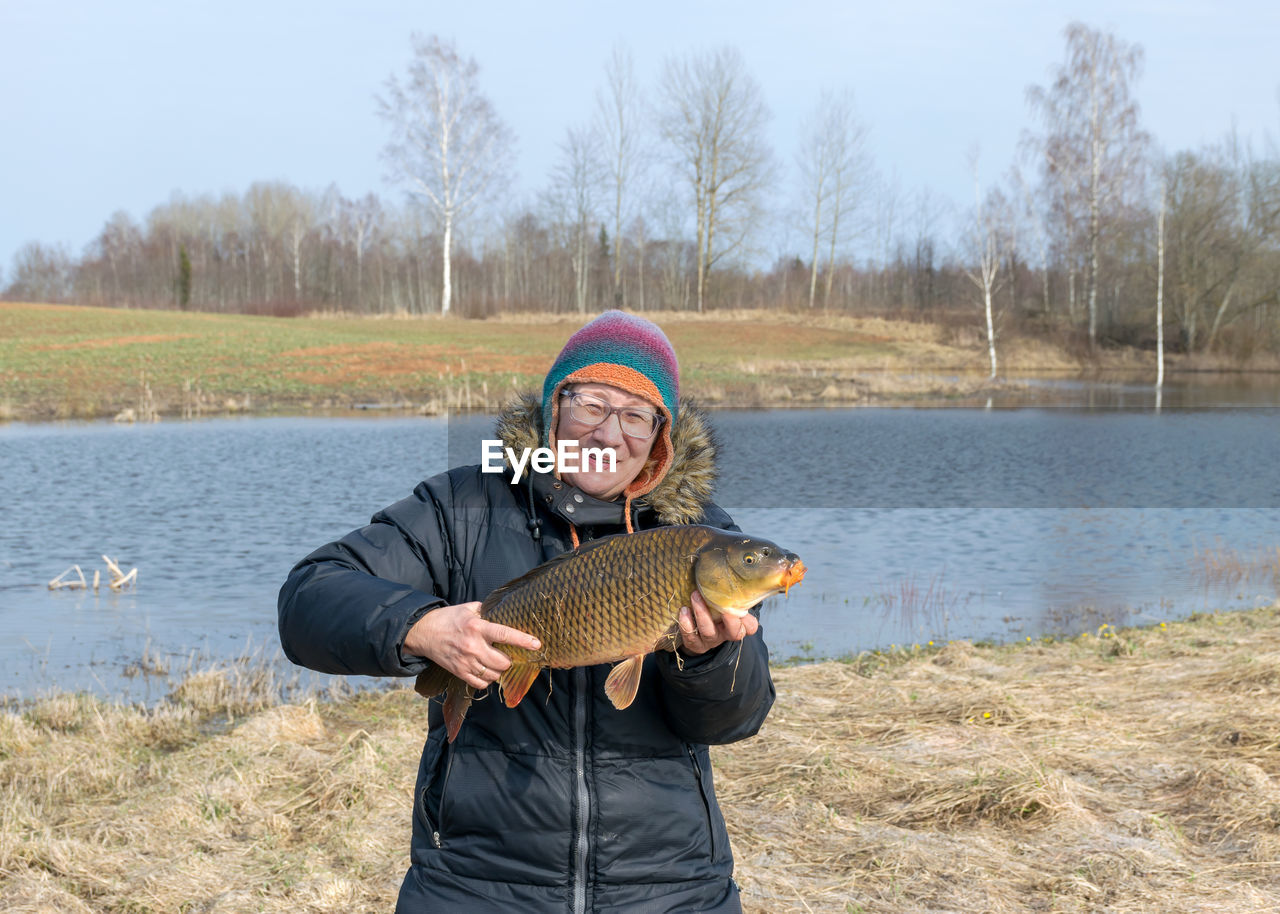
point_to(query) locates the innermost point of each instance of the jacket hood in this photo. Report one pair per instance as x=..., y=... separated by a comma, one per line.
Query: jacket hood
x=685, y=490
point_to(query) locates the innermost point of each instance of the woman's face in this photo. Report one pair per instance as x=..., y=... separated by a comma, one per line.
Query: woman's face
x=595, y=479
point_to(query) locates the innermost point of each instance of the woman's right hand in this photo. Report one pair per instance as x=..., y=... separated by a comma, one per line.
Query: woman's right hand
x=456, y=638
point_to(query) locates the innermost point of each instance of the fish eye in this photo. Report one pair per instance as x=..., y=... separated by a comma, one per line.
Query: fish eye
x=749, y=559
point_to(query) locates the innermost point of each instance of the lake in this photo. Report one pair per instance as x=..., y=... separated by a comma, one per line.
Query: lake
x=917, y=525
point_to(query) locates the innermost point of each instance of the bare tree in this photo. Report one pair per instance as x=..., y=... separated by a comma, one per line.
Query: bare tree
x=447, y=142
x=119, y=243
x=675, y=255
x=713, y=117
x=1029, y=214
x=1224, y=228
x=928, y=209
x=575, y=188
x=1164, y=196
x=638, y=233
x=832, y=162
x=358, y=224
x=42, y=273
x=300, y=216
x=987, y=240
x=619, y=124
x=886, y=202
x=1092, y=148
x=267, y=205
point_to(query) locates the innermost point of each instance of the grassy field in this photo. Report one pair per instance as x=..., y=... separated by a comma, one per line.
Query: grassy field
x=61, y=361
x=1124, y=771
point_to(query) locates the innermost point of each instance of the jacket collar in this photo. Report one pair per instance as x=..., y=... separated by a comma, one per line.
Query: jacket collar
x=573, y=505
x=681, y=497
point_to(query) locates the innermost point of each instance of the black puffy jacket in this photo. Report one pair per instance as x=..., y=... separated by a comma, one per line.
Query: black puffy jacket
x=563, y=803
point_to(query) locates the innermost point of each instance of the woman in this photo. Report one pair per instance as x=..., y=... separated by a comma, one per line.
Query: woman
x=563, y=803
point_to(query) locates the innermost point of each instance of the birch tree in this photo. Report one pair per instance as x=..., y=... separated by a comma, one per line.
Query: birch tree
x=1164, y=195
x=119, y=243
x=832, y=164
x=713, y=117
x=447, y=144
x=300, y=216
x=268, y=219
x=987, y=242
x=1092, y=148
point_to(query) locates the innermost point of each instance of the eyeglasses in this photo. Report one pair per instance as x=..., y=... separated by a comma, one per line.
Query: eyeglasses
x=592, y=411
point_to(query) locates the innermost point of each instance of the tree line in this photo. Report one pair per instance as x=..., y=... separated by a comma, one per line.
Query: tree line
x=661, y=198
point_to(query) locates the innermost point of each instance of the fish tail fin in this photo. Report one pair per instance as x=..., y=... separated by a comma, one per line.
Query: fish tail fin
x=515, y=682
x=624, y=681
x=456, y=703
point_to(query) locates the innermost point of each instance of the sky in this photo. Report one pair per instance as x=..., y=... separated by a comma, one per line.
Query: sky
x=117, y=106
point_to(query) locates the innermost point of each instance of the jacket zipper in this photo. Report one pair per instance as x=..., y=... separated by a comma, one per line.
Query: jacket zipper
x=580, y=770
x=437, y=822
x=706, y=801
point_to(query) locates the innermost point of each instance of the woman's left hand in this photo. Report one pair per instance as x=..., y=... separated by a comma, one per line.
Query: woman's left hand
x=700, y=631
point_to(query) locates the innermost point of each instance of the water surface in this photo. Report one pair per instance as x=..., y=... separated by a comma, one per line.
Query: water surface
x=916, y=524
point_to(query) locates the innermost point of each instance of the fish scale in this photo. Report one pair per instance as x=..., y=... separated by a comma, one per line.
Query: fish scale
x=618, y=598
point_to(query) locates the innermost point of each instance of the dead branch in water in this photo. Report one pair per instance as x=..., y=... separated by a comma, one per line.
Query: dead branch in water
x=59, y=583
x=119, y=579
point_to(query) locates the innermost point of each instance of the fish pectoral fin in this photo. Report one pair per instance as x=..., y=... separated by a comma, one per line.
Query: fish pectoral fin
x=456, y=703
x=515, y=682
x=432, y=681
x=624, y=681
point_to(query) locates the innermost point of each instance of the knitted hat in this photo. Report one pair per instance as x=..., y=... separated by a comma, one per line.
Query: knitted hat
x=629, y=353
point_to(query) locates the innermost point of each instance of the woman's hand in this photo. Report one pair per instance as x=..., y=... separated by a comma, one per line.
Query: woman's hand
x=456, y=638
x=700, y=631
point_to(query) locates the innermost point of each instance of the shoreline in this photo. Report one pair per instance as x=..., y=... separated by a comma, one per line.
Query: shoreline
x=1120, y=769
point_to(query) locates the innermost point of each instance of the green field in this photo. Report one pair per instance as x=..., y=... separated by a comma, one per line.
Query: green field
x=62, y=361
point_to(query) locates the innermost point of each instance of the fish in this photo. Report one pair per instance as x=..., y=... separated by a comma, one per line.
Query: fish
x=618, y=598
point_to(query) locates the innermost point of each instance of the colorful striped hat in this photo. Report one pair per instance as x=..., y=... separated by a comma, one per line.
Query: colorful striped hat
x=630, y=353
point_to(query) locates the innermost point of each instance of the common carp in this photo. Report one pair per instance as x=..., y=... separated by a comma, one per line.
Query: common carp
x=619, y=598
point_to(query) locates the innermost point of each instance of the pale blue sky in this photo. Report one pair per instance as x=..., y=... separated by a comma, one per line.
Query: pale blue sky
x=107, y=106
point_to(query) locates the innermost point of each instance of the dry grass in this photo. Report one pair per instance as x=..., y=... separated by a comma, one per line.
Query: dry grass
x=1138, y=771
x=1223, y=566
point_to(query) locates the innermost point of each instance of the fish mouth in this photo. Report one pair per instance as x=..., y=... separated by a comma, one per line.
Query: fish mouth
x=793, y=575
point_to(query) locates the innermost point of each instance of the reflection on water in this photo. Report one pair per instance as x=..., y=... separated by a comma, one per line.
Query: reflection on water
x=916, y=525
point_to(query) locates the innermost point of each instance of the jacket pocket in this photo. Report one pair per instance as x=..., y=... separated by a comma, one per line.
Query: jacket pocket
x=709, y=805
x=431, y=797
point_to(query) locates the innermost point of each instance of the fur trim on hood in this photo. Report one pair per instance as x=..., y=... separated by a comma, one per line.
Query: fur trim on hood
x=683, y=493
